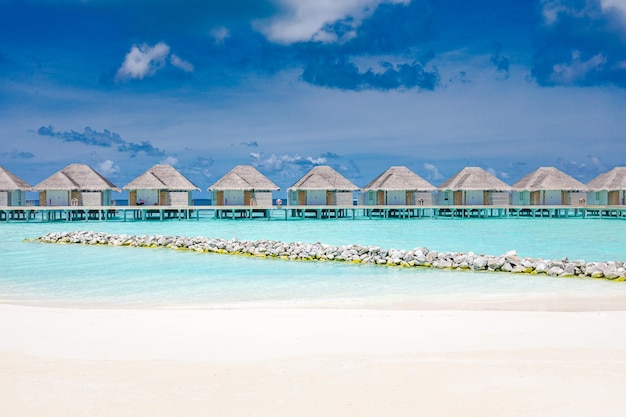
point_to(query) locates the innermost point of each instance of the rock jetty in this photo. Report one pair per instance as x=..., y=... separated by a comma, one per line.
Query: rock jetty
x=418, y=257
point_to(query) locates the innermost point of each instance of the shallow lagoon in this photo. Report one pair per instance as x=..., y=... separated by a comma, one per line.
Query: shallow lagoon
x=85, y=276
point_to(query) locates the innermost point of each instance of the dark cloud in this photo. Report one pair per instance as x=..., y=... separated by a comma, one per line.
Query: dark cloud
x=105, y=139
x=15, y=154
x=581, y=44
x=500, y=61
x=340, y=73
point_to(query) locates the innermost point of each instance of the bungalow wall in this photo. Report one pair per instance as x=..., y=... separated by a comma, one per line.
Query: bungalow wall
x=422, y=198
x=499, y=198
x=576, y=198
x=520, y=198
x=343, y=198
x=367, y=198
x=552, y=198
x=180, y=198
x=474, y=198
x=598, y=198
x=607, y=198
x=396, y=198
x=263, y=198
x=446, y=198
x=54, y=198
x=90, y=198
x=316, y=198
x=241, y=198
x=12, y=198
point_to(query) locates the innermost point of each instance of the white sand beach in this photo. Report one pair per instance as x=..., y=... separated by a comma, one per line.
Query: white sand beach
x=286, y=362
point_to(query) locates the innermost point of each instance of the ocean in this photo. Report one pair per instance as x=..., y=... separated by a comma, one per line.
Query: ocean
x=79, y=276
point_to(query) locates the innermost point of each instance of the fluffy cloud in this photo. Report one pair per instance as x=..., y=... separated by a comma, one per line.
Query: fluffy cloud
x=433, y=173
x=170, y=160
x=289, y=165
x=180, y=63
x=310, y=20
x=581, y=43
x=144, y=61
x=292, y=167
x=108, y=168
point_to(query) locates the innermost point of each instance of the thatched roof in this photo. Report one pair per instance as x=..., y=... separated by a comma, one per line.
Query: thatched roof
x=399, y=178
x=474, y=179
x=613, y=180
x=9, y=182
x=76, y=177
x=246, y=178
x=161, y=177
x=548, y=178
x=323, y=177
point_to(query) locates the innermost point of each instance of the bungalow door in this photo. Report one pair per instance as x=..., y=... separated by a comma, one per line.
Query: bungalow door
x=380, y=198
x=132, y=197
x=302, y=198
x=163, y=194
x=485, y=198
x=613, y=198
x=329, y=198
x=535, y=198
x=246, y=198
x=458, y=198
x=219, y=198
x=408, y=199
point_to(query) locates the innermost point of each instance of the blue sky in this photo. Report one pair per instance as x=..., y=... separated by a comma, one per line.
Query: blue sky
x=360, y=85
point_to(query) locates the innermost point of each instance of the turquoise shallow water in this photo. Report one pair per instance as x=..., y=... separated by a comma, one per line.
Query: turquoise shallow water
x=86, y=276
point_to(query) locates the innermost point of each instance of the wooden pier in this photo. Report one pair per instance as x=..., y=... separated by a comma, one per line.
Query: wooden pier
x=162, y=213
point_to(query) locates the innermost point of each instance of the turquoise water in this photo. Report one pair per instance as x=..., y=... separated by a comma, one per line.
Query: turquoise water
x=87, y=276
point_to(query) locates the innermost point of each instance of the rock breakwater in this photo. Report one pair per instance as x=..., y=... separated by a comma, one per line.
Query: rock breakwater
x=417, y=257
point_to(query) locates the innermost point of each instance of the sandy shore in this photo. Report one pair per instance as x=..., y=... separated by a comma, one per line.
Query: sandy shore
x=70, y=362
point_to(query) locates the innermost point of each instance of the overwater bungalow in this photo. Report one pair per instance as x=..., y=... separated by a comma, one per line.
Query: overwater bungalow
x=473, y=186
x=548, y=186
x=608, y=188
x=322, y=185
x=75, y=185
x=12, y=189
x=244, y=185
x=161, y=185
x=398, y=186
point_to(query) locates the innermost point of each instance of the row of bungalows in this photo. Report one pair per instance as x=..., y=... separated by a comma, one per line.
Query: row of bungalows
x=81, y=185
x=244, y=185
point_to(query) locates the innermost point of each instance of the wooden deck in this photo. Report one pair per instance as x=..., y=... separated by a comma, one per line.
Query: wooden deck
x=161, y=213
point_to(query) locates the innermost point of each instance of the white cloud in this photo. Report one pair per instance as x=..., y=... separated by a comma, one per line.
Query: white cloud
x=576, y=69
x=433, y=172
x=181, y=63
x=617, y=4
x=220, y=34
x=170, y=160
x=108, y=168
x=304, y=20
x=553, y=9
x=144, y=61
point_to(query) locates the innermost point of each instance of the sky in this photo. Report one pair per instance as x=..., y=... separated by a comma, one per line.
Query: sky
x=285, y=85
